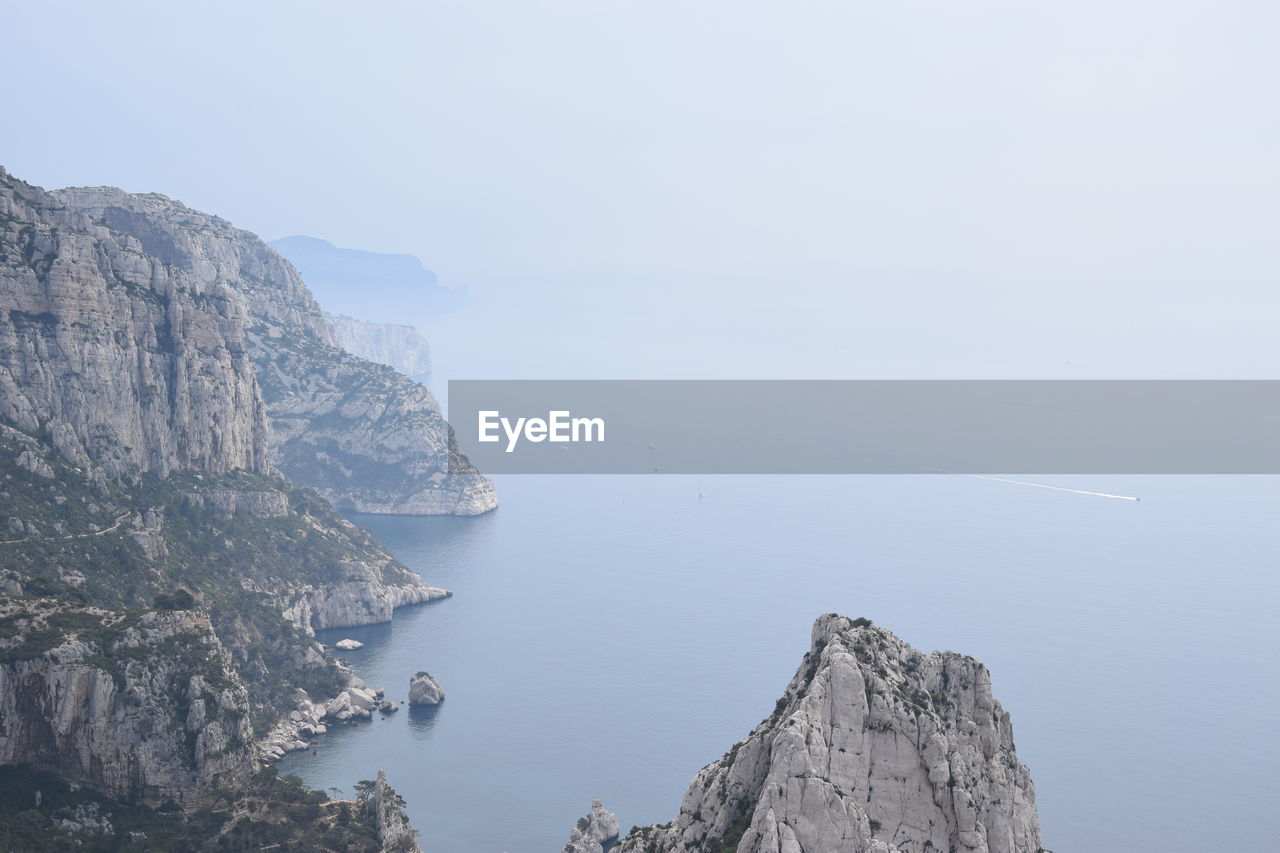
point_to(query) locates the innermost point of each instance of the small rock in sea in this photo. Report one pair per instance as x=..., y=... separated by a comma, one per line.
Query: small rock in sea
x=348, y=644
x=425, y=690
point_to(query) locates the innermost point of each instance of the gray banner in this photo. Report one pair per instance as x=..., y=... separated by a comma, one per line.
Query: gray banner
x=868, y=426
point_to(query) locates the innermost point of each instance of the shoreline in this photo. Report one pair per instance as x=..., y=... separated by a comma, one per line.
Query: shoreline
x=355, y=704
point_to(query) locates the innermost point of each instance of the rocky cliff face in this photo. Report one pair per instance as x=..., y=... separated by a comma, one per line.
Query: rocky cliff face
x=392, y=344
x=119, y=357
x=143, y=707
x=366, y=437
x=874, y=748
x=395, y=835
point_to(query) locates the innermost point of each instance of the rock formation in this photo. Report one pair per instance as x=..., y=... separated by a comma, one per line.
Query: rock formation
x=366, y=437
x=292, y=732
x=145, y=706
x=592, y=832
x=425, y=690
x=119, y=357
x=874, y=748
x=393, y=344
x=394, y=832
x=367, y=594
x=355, y=703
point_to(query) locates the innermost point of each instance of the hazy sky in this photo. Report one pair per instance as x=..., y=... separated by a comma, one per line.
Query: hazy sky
x=1097, y=159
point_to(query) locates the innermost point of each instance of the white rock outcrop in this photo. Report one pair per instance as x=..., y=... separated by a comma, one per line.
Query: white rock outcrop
x=593, y=831
x=874, y=748
x=395, y=835
x=369, y=594
x=259, y=503
x=425, y=690
x=393, y=344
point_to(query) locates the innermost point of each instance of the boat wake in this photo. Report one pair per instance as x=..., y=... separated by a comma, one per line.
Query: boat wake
x=1055, y=488
x=1035, y=485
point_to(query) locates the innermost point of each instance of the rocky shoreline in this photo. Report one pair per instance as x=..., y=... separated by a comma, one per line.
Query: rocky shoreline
x=309, y=719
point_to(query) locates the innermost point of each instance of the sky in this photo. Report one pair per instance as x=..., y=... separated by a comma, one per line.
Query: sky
x=1016, y=166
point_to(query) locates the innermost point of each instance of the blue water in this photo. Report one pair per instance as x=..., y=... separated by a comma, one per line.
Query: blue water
x=610, y=635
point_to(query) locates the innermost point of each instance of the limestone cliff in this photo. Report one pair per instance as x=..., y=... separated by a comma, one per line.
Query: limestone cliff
x=393, y=344
x=118, y=356
x=873, y=748
x=366, y=437
x=138, y=706
x=386, y=807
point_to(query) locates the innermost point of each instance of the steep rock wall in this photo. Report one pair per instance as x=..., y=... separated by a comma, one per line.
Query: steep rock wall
x=150, y=710
x=120, y=359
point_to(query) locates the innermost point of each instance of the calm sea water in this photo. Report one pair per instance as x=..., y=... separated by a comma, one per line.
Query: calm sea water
x=611, y=635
